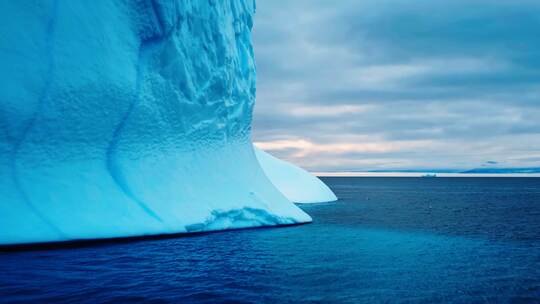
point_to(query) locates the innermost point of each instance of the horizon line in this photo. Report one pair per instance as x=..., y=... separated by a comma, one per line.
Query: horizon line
x=416, y=174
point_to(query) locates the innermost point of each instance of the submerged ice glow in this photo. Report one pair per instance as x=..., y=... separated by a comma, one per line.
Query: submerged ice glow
x=127, y=118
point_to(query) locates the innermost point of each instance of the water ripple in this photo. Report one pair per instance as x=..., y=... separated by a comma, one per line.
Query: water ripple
x=385, y=249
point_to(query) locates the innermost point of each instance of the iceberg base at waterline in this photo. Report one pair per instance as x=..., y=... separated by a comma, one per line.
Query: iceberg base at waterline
x=211, y=190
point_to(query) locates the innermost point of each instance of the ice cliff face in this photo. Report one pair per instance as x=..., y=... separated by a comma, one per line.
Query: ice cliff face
x=124, y=118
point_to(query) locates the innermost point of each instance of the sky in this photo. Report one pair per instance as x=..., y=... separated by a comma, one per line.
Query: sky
x=396, y=85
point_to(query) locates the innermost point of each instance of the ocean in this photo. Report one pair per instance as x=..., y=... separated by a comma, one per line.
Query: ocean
x=387, y=240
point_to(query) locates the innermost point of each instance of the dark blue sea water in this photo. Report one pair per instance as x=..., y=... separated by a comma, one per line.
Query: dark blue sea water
x=386, y=240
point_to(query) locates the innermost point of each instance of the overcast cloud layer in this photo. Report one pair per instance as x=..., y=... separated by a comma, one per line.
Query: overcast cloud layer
x=368, y=85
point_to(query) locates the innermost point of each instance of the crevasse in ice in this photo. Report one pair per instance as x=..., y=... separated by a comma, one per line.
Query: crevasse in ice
x=126, y=118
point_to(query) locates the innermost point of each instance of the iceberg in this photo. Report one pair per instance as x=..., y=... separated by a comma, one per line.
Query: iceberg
x=130, y=118
x=298, y=185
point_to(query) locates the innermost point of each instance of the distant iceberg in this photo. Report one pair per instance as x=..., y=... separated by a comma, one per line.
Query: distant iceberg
x=130, y=118
x=298, y=185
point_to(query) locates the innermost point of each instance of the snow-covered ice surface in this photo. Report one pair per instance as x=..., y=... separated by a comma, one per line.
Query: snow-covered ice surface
x=126, y=118
x=298, y=185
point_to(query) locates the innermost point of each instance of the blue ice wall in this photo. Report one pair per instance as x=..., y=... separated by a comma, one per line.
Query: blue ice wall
x=125, y=118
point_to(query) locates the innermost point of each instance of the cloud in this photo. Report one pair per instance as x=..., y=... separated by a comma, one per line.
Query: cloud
x=343, y=76
x=304, y=147
x=321, y=111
